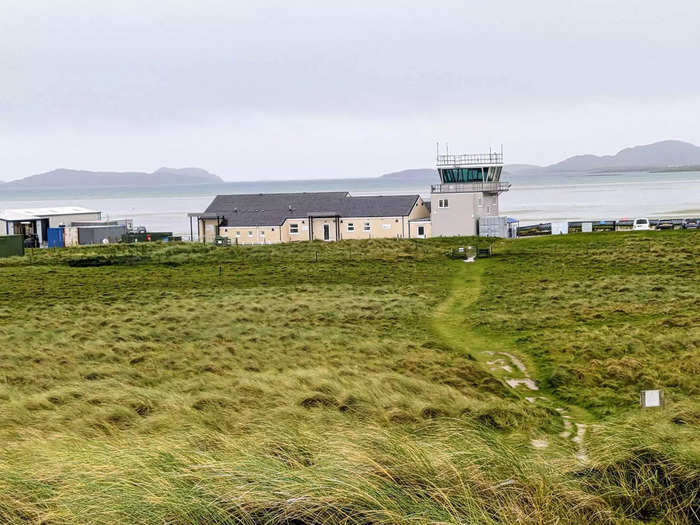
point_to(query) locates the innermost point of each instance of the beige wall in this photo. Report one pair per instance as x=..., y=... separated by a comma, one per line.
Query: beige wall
x=382, y=227
x=251, y=234
x=427, y=229
x=70, y=236
x=419, y=211
x=318, y=229
x=206, y=229
x=379, y=227
x=271, y=234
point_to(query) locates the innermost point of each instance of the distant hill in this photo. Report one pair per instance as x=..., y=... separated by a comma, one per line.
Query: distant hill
x=668, y=153
x=66, y=178
x=418, y=174
x=516, y=168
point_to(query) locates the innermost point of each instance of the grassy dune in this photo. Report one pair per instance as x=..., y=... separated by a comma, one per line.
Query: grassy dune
x=350, y=383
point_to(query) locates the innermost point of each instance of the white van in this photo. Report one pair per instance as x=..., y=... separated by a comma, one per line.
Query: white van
x=640, y=224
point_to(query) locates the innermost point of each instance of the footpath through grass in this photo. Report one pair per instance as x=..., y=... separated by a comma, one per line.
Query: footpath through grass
x=348, y=383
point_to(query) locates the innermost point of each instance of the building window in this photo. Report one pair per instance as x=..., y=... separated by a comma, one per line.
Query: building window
x=351, y=226
x=457, y=175
x=294, y=228
x=421, y=230
x=238, y=234
x=367, y=227
x=250, y=234
x=386, y=226
x=442, y=203
x=262, y=233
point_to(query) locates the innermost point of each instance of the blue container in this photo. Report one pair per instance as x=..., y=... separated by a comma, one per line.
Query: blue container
x=55, y=238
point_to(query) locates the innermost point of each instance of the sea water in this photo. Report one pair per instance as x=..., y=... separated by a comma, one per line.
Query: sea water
x=532, y=198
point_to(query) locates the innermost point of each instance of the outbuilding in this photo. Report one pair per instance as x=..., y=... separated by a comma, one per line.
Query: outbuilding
x=33, y=223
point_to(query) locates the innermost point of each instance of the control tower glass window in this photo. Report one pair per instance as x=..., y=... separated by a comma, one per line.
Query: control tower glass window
x=457, y=175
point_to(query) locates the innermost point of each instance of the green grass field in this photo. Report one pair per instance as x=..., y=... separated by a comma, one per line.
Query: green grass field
x=352, y=382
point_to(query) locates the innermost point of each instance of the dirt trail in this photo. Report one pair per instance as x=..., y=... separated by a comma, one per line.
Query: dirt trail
x=449, y=322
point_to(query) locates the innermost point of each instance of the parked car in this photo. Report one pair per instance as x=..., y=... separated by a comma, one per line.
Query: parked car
x=691, y=224
x=665, y=224
x=640, y=224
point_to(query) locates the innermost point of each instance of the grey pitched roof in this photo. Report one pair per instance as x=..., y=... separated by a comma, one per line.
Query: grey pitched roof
x=272, y=209
x=379, y=206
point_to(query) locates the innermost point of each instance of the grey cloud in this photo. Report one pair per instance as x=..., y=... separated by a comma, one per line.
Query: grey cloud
x=101, y=67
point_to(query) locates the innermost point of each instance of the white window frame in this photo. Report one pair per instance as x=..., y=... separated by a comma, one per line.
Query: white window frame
x=443, y=203
x=421, y=234
x=293, y=228
x=367, y=227
x=350, y=226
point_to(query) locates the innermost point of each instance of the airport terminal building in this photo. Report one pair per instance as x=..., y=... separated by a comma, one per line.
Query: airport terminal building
x=465, y=199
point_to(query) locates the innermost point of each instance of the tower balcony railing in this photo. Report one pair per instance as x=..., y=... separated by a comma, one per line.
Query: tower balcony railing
x=471, y=187
x=470, y=159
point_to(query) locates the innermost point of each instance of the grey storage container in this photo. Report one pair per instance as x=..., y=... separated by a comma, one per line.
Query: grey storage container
x=493, y=226
x=97, y=234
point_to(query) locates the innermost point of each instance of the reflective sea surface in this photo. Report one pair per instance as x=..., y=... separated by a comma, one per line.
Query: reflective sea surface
x=532, y=198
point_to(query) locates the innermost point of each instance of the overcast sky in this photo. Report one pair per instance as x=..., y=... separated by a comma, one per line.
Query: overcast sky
x=308, y=89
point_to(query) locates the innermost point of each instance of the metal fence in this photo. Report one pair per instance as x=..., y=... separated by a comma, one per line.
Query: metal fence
x=471, y=187
x=470, y=159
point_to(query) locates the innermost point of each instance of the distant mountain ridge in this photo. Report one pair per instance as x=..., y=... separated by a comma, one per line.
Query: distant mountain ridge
x=674, y=155
x=667, y=153
x=412, y=174
x=67, y=178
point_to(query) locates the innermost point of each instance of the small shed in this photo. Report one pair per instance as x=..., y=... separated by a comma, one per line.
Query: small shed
x=34, y=223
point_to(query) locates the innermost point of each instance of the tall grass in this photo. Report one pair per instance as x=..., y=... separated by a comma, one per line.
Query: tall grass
x=341, y=383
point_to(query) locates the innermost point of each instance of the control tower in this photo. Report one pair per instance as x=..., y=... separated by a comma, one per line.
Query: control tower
x=469, y=188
